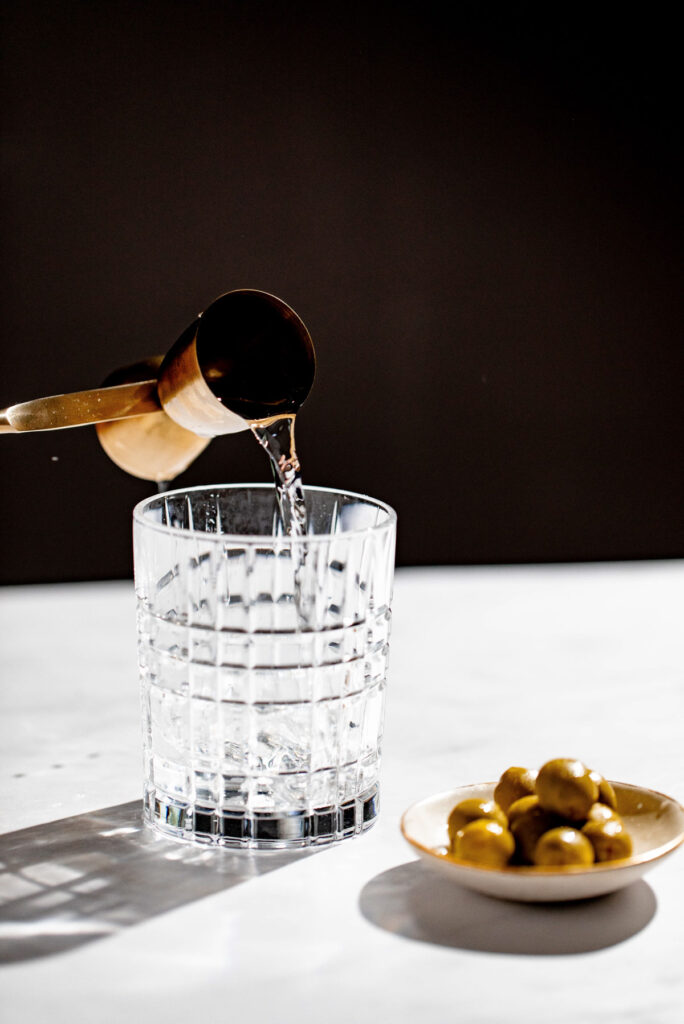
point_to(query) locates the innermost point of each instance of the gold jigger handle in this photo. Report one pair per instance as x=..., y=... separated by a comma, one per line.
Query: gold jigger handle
x=81, y=407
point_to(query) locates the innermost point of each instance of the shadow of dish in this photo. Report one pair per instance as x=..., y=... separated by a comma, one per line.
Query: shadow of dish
x=72, y=881
x=412, y=901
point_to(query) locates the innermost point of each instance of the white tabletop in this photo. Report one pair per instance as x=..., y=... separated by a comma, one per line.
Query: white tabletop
x=489, y=667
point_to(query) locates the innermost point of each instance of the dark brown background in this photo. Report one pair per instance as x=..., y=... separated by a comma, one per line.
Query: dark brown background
x=475, y=210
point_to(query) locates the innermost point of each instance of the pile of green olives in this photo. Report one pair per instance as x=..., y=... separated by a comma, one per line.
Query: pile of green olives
x=561, y=816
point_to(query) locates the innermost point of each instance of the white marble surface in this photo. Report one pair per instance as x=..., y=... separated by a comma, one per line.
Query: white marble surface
x=489, y=666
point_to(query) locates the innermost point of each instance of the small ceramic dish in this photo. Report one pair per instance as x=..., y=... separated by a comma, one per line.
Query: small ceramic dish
x=655, y=822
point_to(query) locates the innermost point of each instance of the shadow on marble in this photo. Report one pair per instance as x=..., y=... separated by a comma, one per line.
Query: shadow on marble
x=84, y=878
x=412, y=901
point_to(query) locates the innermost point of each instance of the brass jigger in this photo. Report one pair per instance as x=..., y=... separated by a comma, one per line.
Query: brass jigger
x=153, y=446
x=248, y=358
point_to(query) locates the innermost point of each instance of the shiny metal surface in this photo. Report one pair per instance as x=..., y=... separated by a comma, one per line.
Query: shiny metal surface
x=80, y=408
x=151, y=447
x=155, y=417
x=186, y=396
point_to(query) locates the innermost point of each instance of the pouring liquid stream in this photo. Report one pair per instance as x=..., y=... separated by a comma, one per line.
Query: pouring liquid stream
x=276, y=437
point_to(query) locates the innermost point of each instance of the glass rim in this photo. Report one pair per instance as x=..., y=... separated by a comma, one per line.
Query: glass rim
x=259, y=538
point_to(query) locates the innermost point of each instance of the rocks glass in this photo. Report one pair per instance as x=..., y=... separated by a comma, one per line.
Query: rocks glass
x=263, y=664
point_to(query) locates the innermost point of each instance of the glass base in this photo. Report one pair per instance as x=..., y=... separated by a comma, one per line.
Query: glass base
x=258, y=830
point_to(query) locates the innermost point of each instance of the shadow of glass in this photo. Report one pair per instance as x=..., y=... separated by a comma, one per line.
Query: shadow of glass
x=84, y=878
x=412, y=901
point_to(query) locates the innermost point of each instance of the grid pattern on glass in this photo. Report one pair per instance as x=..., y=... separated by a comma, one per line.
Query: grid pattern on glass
x=263, y=666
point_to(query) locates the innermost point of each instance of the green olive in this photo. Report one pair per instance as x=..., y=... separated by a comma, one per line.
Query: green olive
x=565, y=787
x=520, y=807
x=527, y=828
x=484, y=842
x=561, y=847
x=601, y=812
x=610, y=839
x=514, y=784
x=470, y=810
x=606, y=791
